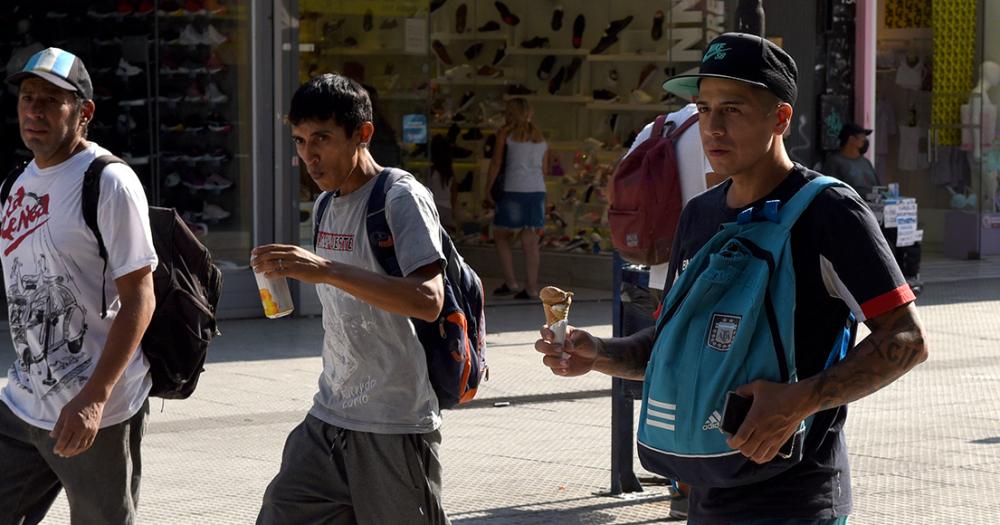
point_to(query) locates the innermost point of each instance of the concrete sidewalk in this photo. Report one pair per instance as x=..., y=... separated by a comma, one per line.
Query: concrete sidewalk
x=924, y=450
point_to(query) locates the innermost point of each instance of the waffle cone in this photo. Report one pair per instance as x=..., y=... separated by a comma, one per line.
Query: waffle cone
x=556, y=304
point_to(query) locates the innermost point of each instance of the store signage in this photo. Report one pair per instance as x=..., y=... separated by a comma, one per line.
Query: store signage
x=991, y=221
x=415, y=129
x=693, y=23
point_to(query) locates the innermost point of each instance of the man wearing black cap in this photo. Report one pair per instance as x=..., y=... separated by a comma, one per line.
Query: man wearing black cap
x=744, y=91
x=74, y=406
x=848, y=164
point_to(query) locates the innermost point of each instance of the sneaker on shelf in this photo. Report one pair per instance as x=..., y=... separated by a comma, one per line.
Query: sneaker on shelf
x=500, y=55
x=113, y=41
x=488, y=27
x=102, y=93
x=194, y=123
x=170, y=8
x=169, y=66
x=171, y=99
x=462, y=71
x=214, y=64
x=535, y=43
x=194, y=7
x=603, y=44
x=214, y=212
x=125, y=123
x=506, y=15
x=467, y=99
x=172, y=180
x=126, y=70
x=189, y=36
x=213, y=37
x=519, y=89
x=215, y=95
x=641, y=97
x=489, y=72
x=215, y=7
x=217, y=182
x=124, y=7
x=194, y=93
x=193, y=181
x=474, y=50
x=605, y=95
x=146, y=7
x=190, y=66
x=441, y=52
x=135, y=160
x=217, y=155
x=388, y=23
x=94, y=13
x=132, y=103
x=56, y=15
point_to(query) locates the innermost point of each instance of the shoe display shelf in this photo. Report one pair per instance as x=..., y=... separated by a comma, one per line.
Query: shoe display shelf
x=590, y=70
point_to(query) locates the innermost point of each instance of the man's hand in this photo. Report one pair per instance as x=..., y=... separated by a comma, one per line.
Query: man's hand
x=773, y=417
x=285, y=260
x=78, y=424
x=580, y=346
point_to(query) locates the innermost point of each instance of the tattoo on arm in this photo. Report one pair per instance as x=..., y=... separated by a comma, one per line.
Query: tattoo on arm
x=626, y=357
x=895, y=346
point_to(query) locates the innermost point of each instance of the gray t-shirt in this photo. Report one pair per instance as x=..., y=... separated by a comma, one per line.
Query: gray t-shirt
x=858, y=173
x=374, y=369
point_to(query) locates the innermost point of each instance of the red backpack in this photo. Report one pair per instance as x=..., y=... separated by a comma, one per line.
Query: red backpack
x=646, y=198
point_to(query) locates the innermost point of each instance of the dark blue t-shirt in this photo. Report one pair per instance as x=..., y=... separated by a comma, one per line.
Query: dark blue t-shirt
x=842, y=264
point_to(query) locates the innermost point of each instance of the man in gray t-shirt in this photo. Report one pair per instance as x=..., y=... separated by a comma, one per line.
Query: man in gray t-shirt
x=849, y=164
x=367, y=451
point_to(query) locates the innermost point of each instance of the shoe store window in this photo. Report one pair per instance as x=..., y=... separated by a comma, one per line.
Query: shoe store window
x=591, y=73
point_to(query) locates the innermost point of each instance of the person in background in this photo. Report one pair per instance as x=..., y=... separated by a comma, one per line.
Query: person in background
x=442, y=182
x=522, y=151
x=849, y=164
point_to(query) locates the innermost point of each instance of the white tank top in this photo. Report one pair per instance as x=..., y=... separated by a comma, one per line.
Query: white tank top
x=523, y=171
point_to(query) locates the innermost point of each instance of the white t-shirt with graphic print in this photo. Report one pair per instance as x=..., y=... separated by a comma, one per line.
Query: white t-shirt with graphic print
x=52, y=273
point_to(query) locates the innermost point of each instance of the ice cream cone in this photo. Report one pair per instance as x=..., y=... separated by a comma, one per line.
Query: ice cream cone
x=556, y=303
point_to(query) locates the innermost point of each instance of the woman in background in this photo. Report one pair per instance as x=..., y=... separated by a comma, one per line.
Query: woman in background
x=524, y=155
x=442, y=182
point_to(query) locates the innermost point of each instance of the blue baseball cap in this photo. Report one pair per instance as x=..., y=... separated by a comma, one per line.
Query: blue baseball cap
x=62, y=68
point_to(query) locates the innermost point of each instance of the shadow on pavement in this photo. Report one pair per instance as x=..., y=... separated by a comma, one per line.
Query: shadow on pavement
x=603, y=509
x=936, y=294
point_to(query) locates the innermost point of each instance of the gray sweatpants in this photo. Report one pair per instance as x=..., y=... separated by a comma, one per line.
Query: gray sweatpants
x=102, y=484
x=333, y=476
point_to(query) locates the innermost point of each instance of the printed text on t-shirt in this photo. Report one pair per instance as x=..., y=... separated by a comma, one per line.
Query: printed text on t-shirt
x=336, y=242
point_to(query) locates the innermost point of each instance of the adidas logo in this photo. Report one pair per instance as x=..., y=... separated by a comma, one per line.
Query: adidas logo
x=713, y=421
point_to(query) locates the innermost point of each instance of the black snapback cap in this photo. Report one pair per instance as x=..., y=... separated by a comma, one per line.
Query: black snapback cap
x=746, y=58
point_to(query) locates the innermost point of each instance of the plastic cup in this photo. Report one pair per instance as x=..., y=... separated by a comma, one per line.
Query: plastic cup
x=275, y=295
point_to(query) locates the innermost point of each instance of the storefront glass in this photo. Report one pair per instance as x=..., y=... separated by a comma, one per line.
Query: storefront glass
x=591, y=72
x=172, y=87
x=935, y=119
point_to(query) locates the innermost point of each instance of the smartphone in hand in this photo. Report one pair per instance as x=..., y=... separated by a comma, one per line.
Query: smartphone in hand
x=734, y=412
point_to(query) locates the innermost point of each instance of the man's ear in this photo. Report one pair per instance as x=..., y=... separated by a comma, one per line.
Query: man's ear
x=87, y=111
x=365, y=132
x=784, y=113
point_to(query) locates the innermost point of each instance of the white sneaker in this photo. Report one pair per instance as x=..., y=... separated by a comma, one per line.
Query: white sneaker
x=213, y=37
x=215, y=95
x=214, y=212
x=641, y=97
x=190, y=36
x=126, y=70
x=217, y=182
x=462, y=71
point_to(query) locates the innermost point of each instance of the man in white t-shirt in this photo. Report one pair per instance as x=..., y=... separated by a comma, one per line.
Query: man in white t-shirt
x=695, y=172
x=74, y=406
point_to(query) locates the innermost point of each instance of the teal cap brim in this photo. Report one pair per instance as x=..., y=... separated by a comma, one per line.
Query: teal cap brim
x=686, y=86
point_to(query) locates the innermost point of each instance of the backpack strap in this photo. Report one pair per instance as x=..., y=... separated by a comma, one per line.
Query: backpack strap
x=383, y=245
x=321, y=206
x=8, y=182
x=793, y=209
x=658, y=125
x=377, y=224
x=89, y=201
x=679, y=130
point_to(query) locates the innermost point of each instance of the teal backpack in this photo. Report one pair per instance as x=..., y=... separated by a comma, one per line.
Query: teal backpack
x=727, y=321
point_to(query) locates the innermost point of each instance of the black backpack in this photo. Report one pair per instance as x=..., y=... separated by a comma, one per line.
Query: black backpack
x=186, y=284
